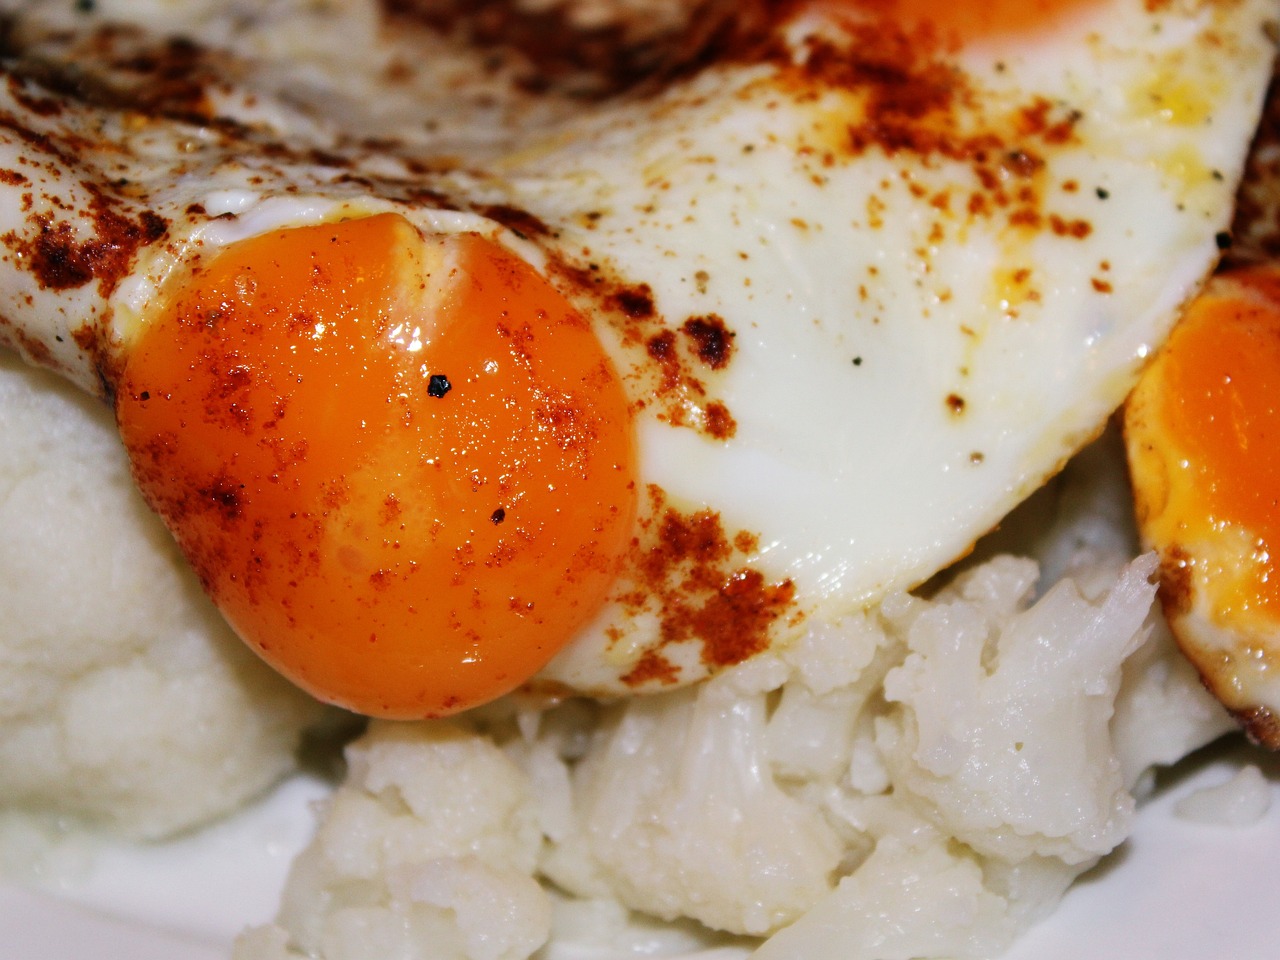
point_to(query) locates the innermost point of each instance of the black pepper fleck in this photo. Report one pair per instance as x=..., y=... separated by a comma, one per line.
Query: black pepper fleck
x=498, y=515
x=857, y=361
x=1223, y=240
x=1102, y=193
x=438, y=385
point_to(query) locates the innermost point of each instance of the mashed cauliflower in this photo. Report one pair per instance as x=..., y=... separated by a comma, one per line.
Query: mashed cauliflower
x=126, y=701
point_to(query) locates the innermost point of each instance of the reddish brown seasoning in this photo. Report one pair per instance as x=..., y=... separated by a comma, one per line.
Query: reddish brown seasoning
x=907, y=96
x=35, y=351
x=664, y=360
x=59, y=260
x=720, y=424
x=652, y=669
x=1077, y=229
x=695, y=577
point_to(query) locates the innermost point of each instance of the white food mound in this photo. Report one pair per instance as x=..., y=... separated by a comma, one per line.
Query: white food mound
x=125, y=701
x=924, y=780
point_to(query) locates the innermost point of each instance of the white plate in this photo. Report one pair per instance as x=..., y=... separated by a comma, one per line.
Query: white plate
x=1177, y=891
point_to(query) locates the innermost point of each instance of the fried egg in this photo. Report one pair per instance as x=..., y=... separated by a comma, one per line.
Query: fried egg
x=604, y=399
x=1204, y=450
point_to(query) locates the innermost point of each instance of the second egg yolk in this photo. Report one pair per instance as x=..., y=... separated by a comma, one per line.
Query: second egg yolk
x=402, y=466
x=1204, y=436
x=968, y=21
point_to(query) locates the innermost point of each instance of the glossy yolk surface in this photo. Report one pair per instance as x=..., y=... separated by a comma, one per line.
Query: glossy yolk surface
x=1212, y=411
x=973, y=20
x=402, y=466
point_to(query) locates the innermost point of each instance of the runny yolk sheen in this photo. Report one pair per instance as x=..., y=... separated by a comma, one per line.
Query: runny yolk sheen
x=1207, y=415
x=402, y=466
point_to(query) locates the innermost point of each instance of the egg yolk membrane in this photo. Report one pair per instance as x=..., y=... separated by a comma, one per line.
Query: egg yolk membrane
x=1204, y=436
x=402, y=465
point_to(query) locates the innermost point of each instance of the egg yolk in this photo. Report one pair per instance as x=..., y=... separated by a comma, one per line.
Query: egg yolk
x=1204, y=434
x=974, y=20
x=402, y=466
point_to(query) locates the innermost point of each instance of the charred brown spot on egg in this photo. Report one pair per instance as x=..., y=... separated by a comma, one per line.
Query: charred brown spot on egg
x=712, y=340
x=1261, y=725
x=520, y=222
x=92, y=341
x=1176, y=584
x=636, y=302
x=662, y=346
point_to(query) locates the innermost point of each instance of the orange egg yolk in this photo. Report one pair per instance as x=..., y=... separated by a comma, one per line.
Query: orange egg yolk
x=402, y=466
x=1210, y=409
x=967, y=21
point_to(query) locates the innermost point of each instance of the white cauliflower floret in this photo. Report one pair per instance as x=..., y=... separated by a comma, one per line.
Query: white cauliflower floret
x=679, y=815
x=125, y=700
x=1004, y=736
x=426, y=851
